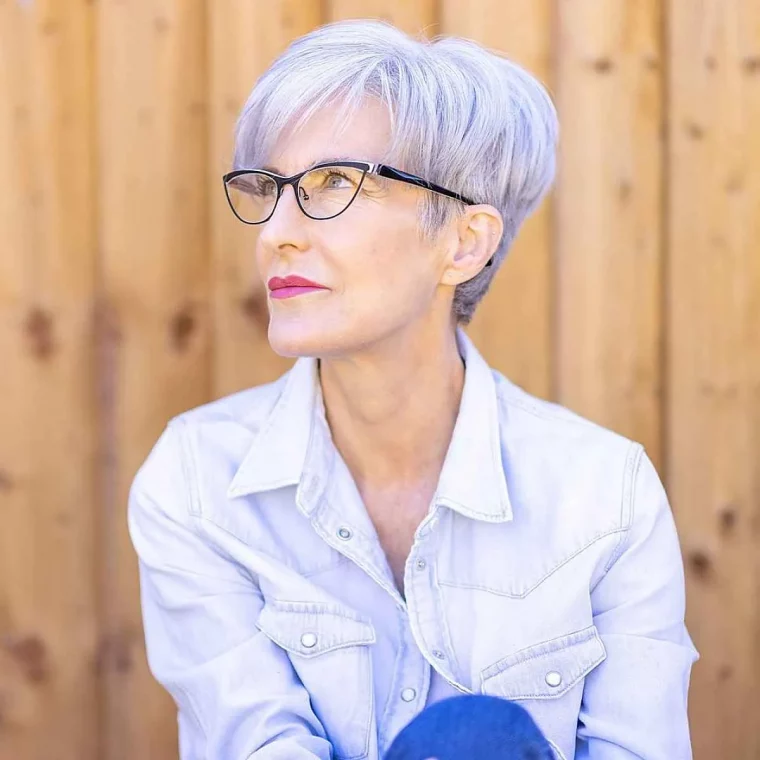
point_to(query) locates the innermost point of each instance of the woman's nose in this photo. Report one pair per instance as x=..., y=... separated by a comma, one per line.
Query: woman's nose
x=287, y=224
x=287, y=199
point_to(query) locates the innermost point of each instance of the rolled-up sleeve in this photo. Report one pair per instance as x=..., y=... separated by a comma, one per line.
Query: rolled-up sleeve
x=635, y=702
x=237, y=694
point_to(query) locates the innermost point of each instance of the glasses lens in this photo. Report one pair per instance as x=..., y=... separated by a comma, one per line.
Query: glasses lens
x=252, y=195
x=327, y=191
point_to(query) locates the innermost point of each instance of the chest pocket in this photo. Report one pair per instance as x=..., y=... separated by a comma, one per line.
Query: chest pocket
x=548, y=680
x=547, y=670
x=329, y=648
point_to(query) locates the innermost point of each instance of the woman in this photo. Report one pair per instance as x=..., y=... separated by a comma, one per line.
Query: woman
x=392, y=522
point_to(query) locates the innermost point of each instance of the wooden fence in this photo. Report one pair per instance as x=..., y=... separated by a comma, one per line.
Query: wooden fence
x=127, y=294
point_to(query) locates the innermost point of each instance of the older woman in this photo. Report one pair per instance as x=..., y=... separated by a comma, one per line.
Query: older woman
x=392, y=522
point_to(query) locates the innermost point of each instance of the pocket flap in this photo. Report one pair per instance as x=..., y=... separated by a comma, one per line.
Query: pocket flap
x=313, y=628
x=546, y=670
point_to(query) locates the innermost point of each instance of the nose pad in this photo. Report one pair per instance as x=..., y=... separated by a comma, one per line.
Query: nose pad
x=282, y=193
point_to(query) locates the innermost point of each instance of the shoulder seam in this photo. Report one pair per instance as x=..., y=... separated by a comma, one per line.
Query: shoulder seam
x=179, y=424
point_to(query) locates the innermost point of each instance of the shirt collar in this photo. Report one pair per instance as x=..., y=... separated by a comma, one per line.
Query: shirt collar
x=277, y=455
x=294, y=447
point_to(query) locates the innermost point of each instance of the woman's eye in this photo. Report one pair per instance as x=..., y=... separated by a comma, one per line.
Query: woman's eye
x=334, y=179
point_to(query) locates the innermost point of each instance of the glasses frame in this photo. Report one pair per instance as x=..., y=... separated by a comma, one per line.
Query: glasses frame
x=366, y=167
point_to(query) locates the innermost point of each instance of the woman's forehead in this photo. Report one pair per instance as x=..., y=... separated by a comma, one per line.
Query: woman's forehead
x=363, y=136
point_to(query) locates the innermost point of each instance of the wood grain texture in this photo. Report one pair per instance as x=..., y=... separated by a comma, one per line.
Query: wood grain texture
x=128, y=293
x=713, y=443
x=415, y=18
x=155, y=329
x=245, y=38
x=608, y=231
x=48, y=411
x=513, y=325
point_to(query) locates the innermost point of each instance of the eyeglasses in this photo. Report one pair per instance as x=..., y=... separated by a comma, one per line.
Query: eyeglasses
x=322, y=192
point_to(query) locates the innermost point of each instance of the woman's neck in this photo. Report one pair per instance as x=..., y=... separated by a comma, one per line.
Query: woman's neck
x=392, y=410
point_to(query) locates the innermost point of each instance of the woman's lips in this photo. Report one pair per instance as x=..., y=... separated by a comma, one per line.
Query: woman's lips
x=292, y=285
x=292, y=291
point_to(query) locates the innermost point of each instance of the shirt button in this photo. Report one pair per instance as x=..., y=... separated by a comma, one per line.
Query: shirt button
x=408, y=695
x=309, y=640
x=344, y=533
x=553, y=678
x=421, y=564
x=439, y=654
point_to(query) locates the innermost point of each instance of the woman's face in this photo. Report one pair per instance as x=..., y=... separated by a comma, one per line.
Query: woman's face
x=378, y=276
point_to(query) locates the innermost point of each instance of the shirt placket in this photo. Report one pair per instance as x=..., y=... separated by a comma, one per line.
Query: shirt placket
x=426, y=618
x=365, y=551
x=423, y=642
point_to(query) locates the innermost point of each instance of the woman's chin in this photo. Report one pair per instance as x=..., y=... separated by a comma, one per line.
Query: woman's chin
x=294, y=339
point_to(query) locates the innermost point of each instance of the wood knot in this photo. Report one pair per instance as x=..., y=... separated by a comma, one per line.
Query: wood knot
x=728, y=517
x=700, y=563
x=49, y=27
x=39, y=330
x=651, y=62
x=6, y=482
x=602, y=65
x=751, y=64
x=735, y=184
x=30, y=653
x=182, y=327
x=114, y=653
x=196, y=108
x=254, y=307
x=695, y=131
x=725, y=672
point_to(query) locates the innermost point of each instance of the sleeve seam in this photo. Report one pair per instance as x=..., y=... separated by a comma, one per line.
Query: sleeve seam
x=193, y=710
x=632, y=466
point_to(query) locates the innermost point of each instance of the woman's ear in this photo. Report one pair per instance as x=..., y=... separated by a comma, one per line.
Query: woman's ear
x=479, y=233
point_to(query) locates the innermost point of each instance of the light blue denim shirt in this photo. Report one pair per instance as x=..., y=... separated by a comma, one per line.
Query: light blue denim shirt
x=547, y=571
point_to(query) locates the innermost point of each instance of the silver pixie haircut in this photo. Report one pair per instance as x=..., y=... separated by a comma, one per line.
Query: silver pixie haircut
x=462, y=116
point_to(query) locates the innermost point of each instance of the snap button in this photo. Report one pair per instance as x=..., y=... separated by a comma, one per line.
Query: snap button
x=309, y=640
x=421, y=564
x=408, y=695
x=439, y=654
x=553, y=678
x=344, y=533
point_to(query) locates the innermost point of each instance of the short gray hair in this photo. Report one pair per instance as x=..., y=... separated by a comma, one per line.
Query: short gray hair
x=462, y=116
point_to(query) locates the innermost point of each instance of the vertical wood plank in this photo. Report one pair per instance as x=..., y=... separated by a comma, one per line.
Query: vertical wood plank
x=154, y=185
x=513, y=324
x=48, y=425
x=713, y=445
x=609, y=218
x=245, y=39
x=598, y=302
x=414, y=18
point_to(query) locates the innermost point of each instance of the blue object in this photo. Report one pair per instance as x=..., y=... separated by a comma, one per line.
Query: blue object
x=471, y=727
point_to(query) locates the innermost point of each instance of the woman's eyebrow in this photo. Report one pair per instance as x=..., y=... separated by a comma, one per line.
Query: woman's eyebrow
x=274, y=170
